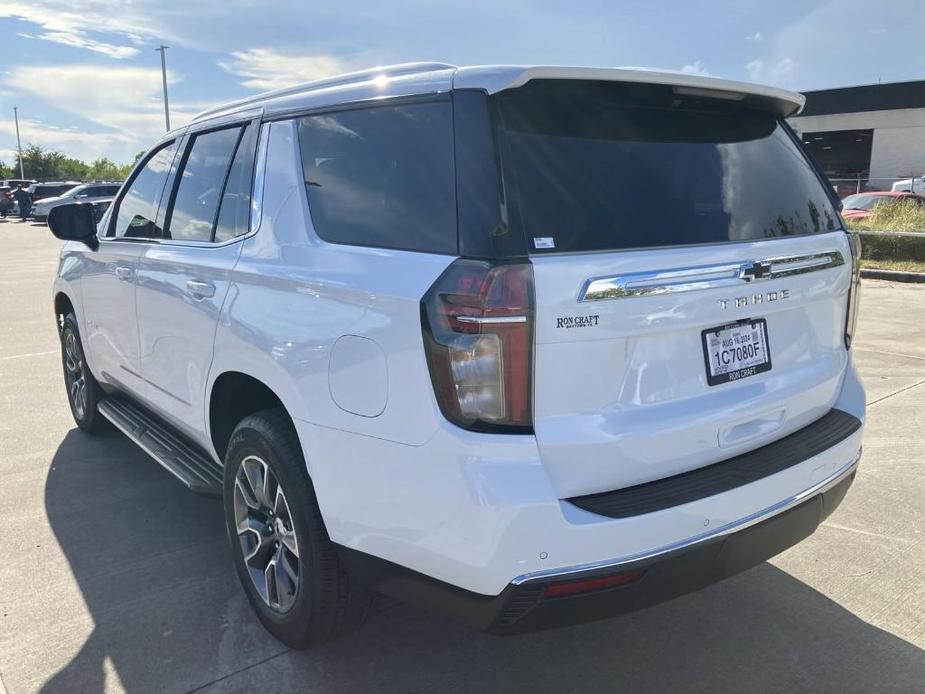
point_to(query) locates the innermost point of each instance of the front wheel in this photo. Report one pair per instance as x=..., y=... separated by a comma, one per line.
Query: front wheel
x=285, y=561
x=83, y=392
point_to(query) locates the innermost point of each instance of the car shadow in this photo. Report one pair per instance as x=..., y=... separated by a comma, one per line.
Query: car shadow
x=151, y=562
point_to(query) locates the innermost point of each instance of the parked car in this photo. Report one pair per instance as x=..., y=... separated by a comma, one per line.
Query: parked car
x=14, y=183
x=910, y=185
x=861, y=205
x=50, y=189
x=7, y=205
x=432, y=332
x=99, y=207
x=85, y=192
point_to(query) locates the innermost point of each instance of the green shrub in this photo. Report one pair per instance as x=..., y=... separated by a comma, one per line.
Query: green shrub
x=903, y=215
x=876, y=246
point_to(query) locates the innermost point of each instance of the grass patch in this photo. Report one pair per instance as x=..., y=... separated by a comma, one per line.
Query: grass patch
x=904, y=215
x=896, y=265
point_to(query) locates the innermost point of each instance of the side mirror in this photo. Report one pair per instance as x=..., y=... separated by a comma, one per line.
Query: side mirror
x=74, y=222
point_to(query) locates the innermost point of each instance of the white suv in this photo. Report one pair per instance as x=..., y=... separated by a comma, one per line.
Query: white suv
x=527, y=346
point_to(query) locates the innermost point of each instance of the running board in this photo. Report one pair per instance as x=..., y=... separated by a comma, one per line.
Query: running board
x=184, y=459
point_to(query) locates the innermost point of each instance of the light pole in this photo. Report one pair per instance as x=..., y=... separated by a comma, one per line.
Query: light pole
x=161, y=50
x=18, y=143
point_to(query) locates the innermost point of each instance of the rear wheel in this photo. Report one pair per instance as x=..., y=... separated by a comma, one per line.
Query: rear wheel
x=83, y=392
x=286, y=563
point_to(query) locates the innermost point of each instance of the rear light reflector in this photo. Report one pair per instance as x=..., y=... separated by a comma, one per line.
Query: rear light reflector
x=589, y=585
x=477, y=321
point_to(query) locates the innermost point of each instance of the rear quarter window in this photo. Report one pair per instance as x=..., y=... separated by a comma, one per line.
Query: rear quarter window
x=382, y=176
x=592, y=166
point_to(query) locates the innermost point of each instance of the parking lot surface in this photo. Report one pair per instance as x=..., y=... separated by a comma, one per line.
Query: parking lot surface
x=113, y=577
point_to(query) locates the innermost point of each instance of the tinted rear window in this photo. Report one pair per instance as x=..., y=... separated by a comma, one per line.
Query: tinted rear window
x=382, y=176
x=601, y=166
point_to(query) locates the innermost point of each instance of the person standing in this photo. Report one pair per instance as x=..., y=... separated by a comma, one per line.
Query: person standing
x=25, y=202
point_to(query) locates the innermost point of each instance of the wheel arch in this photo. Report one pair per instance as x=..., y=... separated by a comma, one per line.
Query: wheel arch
x=63, y=306
x=235, y=395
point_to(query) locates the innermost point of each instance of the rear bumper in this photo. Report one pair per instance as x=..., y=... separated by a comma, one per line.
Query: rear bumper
x=479, y=512
x=524, y=605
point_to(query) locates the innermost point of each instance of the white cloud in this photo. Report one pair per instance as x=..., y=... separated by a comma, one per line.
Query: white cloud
x=65, y=25
x=266, y=68
x=125, y=102
x=695, y=68
x=757, y=37
x=79, y=40
x=73, y=142
x=780, y=72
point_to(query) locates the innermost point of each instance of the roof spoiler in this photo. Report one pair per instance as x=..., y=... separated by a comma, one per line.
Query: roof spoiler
x=498, y=78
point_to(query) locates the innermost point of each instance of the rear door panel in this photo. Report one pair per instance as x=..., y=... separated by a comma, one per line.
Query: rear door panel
x=621, y=394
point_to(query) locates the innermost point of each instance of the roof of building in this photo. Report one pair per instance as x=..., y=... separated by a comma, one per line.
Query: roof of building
x=867, y=97
x=418, y=78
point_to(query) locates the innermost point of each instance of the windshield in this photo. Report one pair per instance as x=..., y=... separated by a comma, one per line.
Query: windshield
x=605, y=165
x=865, y=202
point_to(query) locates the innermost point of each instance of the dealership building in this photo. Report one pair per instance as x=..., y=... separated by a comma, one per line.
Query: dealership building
x=873, y=132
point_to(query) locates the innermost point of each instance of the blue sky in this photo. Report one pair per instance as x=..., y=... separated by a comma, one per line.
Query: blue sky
x=86, y=79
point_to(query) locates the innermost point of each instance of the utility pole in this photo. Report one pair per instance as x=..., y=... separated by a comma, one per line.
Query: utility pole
x=161, y=50
x=18, y=143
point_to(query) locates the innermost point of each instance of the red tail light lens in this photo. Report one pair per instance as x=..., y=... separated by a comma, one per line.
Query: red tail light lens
x=854, y=293
x=478, y=335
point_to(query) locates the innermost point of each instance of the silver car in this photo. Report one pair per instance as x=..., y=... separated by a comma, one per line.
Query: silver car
x=88, y=192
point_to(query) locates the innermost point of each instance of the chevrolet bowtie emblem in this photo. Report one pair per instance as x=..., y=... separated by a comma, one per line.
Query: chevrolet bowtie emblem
x=755, y=271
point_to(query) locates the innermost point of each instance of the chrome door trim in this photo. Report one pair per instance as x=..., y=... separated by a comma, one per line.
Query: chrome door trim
x=688, y=279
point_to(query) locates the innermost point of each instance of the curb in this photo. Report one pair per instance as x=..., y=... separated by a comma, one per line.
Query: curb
x=892, y=275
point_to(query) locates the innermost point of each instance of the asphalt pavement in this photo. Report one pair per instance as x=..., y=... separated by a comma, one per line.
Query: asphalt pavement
x=114, y=578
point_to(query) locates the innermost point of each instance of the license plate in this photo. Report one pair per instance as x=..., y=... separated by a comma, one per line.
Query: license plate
x=736, y=350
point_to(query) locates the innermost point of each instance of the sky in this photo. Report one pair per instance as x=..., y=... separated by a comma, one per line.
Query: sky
x=87, y=81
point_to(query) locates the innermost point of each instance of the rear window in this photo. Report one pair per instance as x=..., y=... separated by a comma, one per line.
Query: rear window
x=382, y=176
x=591, y=166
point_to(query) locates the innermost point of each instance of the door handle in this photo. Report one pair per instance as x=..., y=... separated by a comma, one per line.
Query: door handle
x=124, y=272
x=200, y=290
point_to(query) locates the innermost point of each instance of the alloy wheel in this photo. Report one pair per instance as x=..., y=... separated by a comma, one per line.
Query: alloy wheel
x=266, y=534
x=76, y=375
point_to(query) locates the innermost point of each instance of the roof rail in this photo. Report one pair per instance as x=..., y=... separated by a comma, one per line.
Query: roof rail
x=336, y=80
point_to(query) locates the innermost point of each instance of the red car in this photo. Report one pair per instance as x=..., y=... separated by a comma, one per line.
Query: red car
x=861, y=205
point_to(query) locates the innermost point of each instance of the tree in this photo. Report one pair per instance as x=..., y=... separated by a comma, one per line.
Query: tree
x=45, y=164
x=103, y=169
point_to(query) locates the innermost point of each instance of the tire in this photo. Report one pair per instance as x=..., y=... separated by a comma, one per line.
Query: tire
x=83, y=392
x=311, y=599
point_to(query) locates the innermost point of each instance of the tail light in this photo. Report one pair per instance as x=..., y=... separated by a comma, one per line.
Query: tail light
x=854, y=292
x=478, y=335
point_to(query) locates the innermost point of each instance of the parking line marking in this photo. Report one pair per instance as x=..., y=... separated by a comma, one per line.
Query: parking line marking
x=901, y=390
x=892, y=354
x=31, y=354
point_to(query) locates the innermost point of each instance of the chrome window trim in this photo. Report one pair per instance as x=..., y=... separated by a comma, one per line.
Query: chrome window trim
x=728, y=529
x=688, y=279
x=260, y=173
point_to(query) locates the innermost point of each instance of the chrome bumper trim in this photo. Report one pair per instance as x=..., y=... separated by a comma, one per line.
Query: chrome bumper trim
x=728, y=529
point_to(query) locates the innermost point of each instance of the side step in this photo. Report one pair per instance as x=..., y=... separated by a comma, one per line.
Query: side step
x=187, y=461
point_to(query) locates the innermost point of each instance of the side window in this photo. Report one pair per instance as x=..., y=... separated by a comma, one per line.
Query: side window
x=382, y=176
x=138, y=207
x=234, y=212
x=200, y=181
